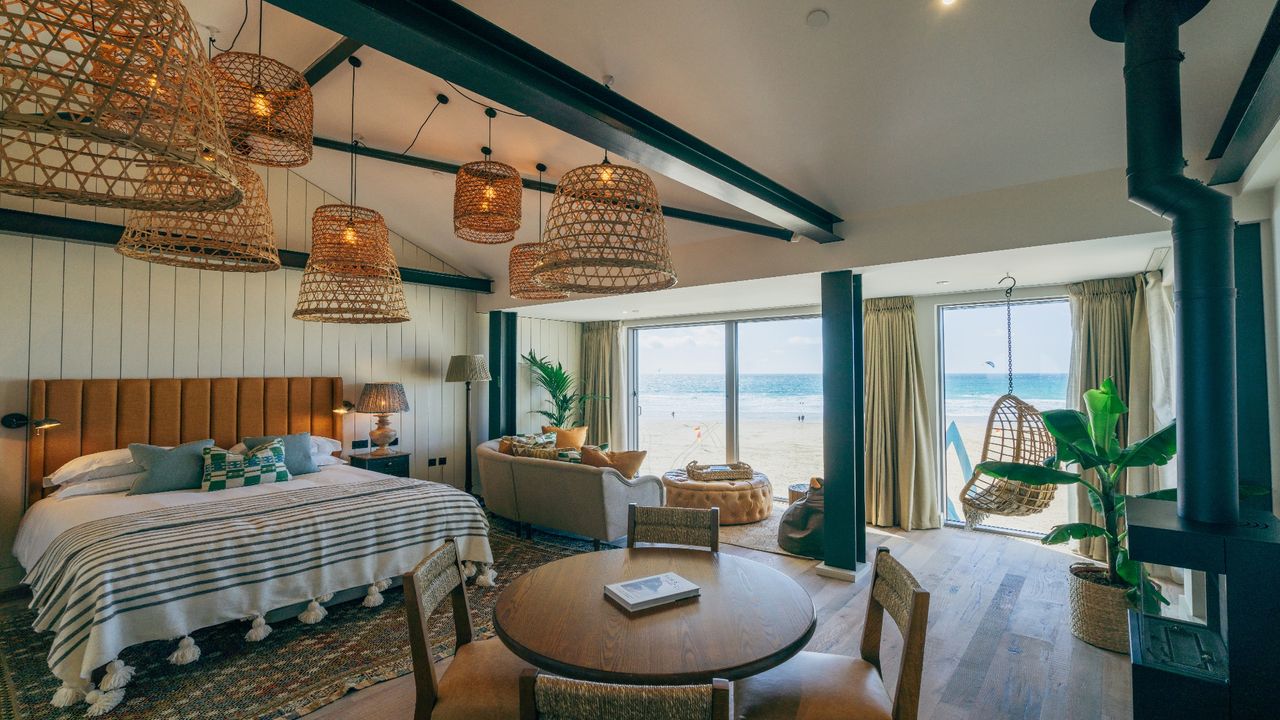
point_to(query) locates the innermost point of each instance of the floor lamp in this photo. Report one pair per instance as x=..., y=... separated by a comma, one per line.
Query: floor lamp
x=468, y=369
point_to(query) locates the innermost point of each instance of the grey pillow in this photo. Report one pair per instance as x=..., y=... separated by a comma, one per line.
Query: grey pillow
x=297, y=451
x=167, y=469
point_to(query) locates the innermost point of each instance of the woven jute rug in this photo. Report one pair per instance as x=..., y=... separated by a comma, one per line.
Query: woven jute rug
x=761, y=535
x=297, y=669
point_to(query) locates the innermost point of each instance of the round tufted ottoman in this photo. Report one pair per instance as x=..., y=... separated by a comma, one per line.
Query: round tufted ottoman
x=740, y=501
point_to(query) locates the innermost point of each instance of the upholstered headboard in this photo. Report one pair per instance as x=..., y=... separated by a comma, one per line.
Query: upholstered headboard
x=102, y=415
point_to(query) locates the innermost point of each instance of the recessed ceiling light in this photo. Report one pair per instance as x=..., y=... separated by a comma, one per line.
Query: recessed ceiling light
x=948, y=2
x=819, y=18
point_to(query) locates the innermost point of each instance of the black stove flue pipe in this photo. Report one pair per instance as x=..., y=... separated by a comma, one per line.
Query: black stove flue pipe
x=1203, y=230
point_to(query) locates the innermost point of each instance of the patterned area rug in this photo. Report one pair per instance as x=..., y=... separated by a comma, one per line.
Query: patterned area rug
x=297, y=669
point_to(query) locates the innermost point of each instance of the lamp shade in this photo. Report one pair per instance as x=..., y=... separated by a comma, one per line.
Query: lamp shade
x=486, y=202
x=382, y=398
x=605, y=234
x=351, y=274
x=95, y=94
x=267, y=108
x=520, y=264
x=241, y=239
x=467, y=368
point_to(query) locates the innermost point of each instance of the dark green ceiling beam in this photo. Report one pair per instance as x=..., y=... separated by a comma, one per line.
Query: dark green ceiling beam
x=89, y=231
x=451, y=168
x=328, y=62
x=451, y=42
x=1254, y=111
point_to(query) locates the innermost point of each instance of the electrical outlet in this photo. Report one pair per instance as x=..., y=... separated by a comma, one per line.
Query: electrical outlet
x=431, y=462
x=359, y=444
x=444, y=461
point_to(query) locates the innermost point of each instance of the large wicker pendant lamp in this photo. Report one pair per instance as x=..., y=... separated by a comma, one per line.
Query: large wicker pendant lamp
x=266, y=105
x=605, y=234
x=486, y=198
x=241, y=239
x=524, y=258
x=351, y=275
x=94, y=94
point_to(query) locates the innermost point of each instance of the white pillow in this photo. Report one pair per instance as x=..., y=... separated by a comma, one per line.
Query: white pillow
x=238, y=449
x=108, y=463
x=324, y=446
x=322, y=460
x=100, y=486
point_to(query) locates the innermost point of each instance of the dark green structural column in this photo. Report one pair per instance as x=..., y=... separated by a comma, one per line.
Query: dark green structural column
x=842, y=414
x=502, y=368
x=1252, y=411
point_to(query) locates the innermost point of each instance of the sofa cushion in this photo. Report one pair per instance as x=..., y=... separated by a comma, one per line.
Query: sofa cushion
x=540, y=453
x=507, y=443
x=627, y=462
x=568, y=437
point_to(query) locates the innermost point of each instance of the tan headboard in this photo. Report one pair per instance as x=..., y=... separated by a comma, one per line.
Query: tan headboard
x=102, y=415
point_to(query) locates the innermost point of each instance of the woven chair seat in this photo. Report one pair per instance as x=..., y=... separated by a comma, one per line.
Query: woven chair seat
x=1015, y=433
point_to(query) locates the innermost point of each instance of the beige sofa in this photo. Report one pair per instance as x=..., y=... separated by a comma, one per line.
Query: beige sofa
x=579, y=499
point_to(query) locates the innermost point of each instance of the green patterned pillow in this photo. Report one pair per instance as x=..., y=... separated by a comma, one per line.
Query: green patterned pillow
x=569, y=455
x=259, y=466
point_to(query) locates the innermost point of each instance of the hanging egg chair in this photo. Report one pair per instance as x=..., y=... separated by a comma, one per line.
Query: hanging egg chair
x=1015, y=433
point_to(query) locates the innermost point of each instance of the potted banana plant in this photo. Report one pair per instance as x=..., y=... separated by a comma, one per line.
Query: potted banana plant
x=1087, y=441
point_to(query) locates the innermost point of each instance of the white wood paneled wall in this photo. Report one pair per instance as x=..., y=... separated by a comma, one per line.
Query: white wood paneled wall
x=555, y=339
x=71, y=310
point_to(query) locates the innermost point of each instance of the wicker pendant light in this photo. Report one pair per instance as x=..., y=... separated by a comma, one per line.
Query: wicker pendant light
x=266, y=105
x=351, y=275
x=486, y=198
x=241, y=239
x=524, y=258
x=605, y=234
x=94, y=94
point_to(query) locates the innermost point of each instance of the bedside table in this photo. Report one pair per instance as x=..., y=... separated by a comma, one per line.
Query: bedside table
x=396, y=463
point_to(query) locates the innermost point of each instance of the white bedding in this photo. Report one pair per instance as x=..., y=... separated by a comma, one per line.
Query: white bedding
x=48, y=518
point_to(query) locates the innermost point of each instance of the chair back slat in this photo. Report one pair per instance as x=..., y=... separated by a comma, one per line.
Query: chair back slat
x=558, y=698
x=895, y=591
x=673, y=526
x=425, y=587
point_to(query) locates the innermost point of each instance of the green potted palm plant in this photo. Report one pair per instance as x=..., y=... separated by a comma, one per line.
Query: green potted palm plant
x=1087, y=441
x=566, y=403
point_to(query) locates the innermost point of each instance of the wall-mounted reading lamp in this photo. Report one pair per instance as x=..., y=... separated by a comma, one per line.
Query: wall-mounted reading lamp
x=346, y=407
x=18, y=420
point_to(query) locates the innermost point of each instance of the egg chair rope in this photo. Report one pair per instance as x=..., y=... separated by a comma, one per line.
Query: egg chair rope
x=1015, y=433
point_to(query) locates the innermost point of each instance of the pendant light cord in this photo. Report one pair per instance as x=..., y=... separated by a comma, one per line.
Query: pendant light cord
x=351, y=211
x=243, y=20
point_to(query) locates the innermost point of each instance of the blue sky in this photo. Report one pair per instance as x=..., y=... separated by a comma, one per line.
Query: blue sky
x=974, y=336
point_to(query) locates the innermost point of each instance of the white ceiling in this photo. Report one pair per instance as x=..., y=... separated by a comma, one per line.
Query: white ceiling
x=1032, y=267
x=894, y=104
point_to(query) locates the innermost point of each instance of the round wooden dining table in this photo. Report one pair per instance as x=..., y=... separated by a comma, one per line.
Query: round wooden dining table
x=747, y=619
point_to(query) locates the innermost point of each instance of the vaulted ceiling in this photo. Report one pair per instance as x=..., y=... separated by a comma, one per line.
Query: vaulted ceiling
x=895, y=113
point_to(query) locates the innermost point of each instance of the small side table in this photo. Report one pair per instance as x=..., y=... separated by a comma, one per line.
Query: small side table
x=795, y=491
x=396, y=463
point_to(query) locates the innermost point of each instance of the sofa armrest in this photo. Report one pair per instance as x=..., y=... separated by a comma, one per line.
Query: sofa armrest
x=619, y=492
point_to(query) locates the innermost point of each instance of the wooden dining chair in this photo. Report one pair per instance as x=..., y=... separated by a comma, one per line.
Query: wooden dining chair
x=817, y=686
x=482, y=681
x=673, y=526
x=549, y=697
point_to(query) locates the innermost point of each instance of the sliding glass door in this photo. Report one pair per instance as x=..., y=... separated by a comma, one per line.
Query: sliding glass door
x=727, y=391
x=678, y=395
x=780, y=399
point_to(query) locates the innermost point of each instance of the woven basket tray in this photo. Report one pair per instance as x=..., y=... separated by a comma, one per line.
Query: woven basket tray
x=708, y=473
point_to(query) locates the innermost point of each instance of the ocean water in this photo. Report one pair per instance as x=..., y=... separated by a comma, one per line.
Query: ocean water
x=788, y=397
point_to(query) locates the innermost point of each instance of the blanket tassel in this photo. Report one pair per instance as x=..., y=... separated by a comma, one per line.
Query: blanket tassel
x=469, y=569
x=117, y=677
x=486, y=577
x=187, y=652
x=383, y=584
x=259, y=631
x=325, y=598
x=314, y=613
x=102, y=702
x=373, y=598
x=71, y=693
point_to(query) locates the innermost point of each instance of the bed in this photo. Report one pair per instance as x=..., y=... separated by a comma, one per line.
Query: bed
x=109, y=571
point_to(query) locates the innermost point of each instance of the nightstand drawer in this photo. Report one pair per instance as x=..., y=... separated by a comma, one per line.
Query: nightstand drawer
x=397, y=464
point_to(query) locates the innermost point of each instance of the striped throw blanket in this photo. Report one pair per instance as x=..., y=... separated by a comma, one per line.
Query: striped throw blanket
x=161, y=574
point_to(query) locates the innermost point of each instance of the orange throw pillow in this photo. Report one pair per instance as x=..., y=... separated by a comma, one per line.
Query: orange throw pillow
x=568, y=437
x=627, y=462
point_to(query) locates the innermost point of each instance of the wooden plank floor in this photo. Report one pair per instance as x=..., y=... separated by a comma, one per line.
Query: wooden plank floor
x=999, y=644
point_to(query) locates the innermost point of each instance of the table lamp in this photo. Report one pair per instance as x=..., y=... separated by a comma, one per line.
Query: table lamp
x=382, y=399
x=468, y=369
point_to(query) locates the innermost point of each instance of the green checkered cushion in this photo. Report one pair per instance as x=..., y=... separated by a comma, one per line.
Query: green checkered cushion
x=569, y=455
x=259, y=466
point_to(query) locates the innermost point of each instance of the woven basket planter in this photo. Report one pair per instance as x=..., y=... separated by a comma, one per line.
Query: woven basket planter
x=1099, y=611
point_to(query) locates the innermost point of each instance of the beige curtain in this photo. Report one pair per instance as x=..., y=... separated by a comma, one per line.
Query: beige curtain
x=902, y=488
x=601, y=375
x=1105, y=327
